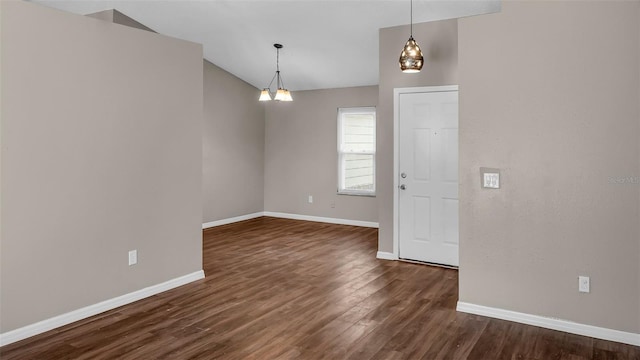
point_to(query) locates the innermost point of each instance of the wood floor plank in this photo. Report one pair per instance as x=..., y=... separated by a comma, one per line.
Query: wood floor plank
x=288, y=289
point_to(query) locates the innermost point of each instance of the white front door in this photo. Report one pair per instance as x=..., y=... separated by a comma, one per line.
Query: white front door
x=428, y=176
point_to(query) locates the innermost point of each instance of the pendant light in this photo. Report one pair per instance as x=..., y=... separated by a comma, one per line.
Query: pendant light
x=281, y=94
x=411, y=56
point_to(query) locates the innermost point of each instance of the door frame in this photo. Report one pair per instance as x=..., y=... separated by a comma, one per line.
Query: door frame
x=396, y=151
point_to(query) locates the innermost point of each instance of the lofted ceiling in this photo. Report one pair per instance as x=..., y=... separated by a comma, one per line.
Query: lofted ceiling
x=327, y=44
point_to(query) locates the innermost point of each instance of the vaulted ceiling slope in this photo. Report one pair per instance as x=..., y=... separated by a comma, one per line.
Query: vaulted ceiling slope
x=327, y=44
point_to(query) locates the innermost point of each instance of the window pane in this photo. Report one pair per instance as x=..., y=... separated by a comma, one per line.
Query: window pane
x=358, y=172
x=356, y=150
x=358, y=133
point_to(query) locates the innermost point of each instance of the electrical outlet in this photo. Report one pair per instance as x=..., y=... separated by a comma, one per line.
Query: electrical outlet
x=310, y=199
x=133, y=257
x=333, y=205
x=583, y=284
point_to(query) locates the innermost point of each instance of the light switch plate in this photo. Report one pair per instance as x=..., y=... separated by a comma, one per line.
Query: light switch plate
x=489, y=178
x=492, y=180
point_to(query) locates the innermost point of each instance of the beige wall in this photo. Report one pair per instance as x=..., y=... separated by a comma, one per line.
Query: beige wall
x=301, y=155
x=232, y=140
x=101, y=154
x=439, y=43
x=117, y=17
x=105, y=15
x=232, y=146
x=549, y=94
x=122, y=19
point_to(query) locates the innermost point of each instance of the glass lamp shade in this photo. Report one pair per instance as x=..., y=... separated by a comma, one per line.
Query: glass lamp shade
x=287, y=95
x=279, y=95
x=264, y=95
x=411, y=57
x=283, y=95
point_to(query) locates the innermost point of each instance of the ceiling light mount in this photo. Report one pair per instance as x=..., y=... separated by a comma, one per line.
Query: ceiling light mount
x=281, y=93
x=411, y=59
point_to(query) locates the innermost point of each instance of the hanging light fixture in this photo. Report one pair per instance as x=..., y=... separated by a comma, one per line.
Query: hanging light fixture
x=411, y=56
x=281, y=94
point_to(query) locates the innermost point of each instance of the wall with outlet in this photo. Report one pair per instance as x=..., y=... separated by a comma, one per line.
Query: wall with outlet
x=301, y=161
x=101, y=154
x=551, y=100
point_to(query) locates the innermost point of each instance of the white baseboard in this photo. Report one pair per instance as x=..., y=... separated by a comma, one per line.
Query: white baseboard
x=231, y=220
x=322, y=219
x=386, y=256
x=290, y=216
x=91, y=310
x=551, y=323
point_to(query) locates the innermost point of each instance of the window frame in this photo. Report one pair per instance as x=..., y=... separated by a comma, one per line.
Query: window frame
x=369, y=110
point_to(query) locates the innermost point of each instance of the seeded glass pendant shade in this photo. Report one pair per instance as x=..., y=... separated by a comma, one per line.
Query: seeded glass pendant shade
x=411, y=58
x=281, y=94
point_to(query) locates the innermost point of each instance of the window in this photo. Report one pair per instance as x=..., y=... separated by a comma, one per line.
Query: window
x=357, y=151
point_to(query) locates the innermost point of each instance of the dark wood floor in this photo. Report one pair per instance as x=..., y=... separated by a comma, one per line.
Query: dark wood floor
x=286, y=289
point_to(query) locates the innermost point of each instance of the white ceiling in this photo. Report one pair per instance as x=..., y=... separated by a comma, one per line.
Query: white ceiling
x=327, y=44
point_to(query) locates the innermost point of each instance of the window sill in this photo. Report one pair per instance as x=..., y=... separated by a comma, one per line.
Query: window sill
x=356, y=194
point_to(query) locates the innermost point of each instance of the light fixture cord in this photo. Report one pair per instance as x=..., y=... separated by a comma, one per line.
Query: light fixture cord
x=278, y=66
x=271, y=82
x=411, y=23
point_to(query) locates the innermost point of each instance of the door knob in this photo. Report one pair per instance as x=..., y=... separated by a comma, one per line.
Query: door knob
x=403, y=175
x=403, y=187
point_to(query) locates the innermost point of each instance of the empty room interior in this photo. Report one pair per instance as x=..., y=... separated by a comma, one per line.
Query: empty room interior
x=415, y=179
